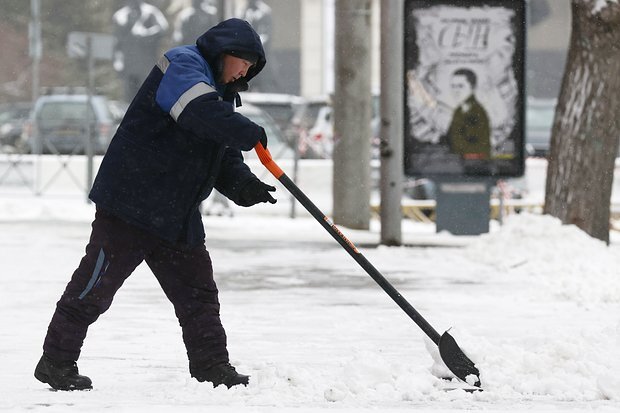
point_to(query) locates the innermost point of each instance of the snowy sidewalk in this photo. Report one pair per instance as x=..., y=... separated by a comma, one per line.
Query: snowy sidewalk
x=535, y=304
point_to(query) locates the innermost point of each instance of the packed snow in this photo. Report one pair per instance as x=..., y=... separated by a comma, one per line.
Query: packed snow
x=535, y=304
x=599, y=5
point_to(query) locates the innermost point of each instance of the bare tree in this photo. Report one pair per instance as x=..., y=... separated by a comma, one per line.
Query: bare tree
x=585, y=133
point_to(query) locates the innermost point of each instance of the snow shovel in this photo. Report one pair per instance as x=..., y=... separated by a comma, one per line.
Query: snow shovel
x=450, y=352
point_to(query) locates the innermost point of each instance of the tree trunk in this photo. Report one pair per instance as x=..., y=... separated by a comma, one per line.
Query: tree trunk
x=584, y=141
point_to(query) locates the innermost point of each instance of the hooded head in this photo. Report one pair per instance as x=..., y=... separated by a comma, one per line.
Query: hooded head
x=233, y=37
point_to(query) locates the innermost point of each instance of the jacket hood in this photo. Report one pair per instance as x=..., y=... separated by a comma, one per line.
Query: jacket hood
x=232, y=35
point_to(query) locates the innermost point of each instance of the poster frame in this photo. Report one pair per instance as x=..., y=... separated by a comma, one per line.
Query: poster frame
x=436, y=157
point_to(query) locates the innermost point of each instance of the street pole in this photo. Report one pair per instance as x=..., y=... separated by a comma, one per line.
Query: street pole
x=391, y=144
x=35, y=45
x=351, y=114
x=35, y=53
x=90, y=120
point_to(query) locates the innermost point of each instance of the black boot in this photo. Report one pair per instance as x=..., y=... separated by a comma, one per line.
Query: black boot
x=222, y=373
x=61, y=375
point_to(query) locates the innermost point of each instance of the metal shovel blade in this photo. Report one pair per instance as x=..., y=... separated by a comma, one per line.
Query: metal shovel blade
x=456, y=360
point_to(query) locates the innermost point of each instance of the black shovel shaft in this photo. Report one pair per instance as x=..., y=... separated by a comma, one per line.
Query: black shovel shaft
x=346, y=244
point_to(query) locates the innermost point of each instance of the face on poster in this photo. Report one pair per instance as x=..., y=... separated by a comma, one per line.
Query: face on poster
x=464, y=87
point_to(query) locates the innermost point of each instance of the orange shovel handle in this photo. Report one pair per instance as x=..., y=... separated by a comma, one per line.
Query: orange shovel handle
x=267, y=160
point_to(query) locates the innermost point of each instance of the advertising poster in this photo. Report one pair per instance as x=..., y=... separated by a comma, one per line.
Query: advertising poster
x=464, y=97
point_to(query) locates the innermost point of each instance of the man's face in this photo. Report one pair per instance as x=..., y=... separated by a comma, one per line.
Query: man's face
x=461, y=89
x=234, y=68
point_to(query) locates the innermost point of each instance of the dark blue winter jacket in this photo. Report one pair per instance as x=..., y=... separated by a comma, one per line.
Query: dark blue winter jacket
x=179, y=139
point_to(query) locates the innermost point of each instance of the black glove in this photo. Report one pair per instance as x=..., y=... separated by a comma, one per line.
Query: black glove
x=254, y=192
x=231, y=93
x=263, y=138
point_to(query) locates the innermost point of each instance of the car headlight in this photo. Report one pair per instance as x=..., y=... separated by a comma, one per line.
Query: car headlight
x=6, y=129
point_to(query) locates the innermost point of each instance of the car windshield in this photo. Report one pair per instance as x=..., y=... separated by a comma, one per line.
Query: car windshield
x=14, y=114
x=6, y=116
x=280, y=113
x=57, y=113
x=540, y=117
x=276, y=142
x=309, y=113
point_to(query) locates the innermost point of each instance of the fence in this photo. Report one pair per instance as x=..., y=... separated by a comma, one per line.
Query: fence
x=67, y=174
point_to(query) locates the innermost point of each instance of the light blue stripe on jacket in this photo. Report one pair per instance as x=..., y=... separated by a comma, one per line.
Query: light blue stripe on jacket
x=187, y=76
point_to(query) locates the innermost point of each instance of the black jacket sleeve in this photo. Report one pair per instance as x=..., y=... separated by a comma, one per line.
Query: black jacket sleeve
x=234, y=175
x=216, y=120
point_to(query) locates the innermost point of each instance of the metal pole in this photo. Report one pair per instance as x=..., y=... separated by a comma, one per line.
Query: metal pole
x=295, y=172
x=90, y=121
x=35, y=54
x=226, y=9
x=35, y=45
x=391, y=144
x=351, y=114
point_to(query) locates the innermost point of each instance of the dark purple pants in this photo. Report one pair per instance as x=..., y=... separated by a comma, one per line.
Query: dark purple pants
x=114, y=251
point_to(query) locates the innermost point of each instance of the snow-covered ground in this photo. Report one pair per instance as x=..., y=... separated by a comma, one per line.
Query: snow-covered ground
x=535, y=304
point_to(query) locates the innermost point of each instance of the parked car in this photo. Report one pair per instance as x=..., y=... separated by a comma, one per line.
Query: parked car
x=309, y=124
x=277, y=143
x=117, y=110
x=317, y=141
x=12, y=119
x=539, y=122
x=280, y=106
x=58, y=124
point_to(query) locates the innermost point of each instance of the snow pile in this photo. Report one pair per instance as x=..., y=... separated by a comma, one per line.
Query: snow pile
x=564, y=258
x=599, y=5
x=561, y=365
x=565, y=359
